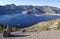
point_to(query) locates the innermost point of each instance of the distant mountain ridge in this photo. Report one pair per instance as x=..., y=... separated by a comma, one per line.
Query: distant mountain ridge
x=12, y=9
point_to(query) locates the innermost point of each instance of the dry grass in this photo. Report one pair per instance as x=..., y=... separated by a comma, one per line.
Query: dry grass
x=44, y=26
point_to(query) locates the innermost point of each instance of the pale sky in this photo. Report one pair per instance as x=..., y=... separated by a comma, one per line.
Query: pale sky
x=55, y=3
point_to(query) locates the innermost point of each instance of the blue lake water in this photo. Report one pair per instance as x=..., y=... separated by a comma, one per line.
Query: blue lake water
x=23, y=20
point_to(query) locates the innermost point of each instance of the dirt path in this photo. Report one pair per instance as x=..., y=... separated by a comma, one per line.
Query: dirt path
x=40, y=35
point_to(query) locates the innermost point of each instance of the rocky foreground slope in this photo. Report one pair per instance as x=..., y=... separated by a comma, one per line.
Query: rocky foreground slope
x=43, y=26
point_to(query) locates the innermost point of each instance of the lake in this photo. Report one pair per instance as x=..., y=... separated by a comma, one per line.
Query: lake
x=22, y=20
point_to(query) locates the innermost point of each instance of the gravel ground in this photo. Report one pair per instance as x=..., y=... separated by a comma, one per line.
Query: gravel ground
x=36, y=35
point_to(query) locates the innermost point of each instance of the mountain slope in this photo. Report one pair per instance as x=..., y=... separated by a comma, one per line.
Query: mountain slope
x=43, y=26
x=12, y=9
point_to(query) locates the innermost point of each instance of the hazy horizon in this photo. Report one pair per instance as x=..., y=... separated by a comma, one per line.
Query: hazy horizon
x=54, y=3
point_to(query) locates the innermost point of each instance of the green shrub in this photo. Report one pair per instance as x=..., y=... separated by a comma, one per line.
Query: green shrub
x=23, y=30
x=58, y=26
